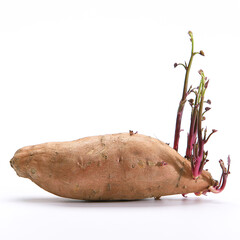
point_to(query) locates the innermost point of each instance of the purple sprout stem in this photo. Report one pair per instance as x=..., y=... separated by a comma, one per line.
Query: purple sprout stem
x=192, y=135
x=178, y=126
x=184, y=97
x=197, y=165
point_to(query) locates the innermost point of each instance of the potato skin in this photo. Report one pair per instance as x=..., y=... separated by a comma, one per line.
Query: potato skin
x=109, y=167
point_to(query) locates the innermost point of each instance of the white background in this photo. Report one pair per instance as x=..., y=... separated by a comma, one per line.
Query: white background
x=70, y=69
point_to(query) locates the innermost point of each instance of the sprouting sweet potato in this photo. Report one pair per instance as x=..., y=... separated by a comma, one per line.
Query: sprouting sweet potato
x=128, y=166
x=109, y=167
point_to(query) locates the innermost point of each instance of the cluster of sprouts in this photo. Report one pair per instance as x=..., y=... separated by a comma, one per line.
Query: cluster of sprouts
x=197, y=135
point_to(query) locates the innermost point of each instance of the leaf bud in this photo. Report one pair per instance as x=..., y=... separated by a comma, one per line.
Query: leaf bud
x=202, y=53
x=206, y=84
x=191, y=101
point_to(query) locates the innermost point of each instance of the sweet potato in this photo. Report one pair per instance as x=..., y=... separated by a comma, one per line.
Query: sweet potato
x=123, y=166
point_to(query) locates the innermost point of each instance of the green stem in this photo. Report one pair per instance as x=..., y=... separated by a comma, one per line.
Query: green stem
x=188, y=70
x=202, y=93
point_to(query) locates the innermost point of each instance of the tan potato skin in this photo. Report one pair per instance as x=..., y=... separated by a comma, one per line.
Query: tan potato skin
x=109, y=167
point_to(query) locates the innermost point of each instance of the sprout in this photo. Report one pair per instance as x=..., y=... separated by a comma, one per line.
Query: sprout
x=184, y=95
x=197, y=136
x=223, y=180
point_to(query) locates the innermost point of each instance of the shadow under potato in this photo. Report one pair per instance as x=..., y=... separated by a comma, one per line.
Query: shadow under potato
x=144, y=203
